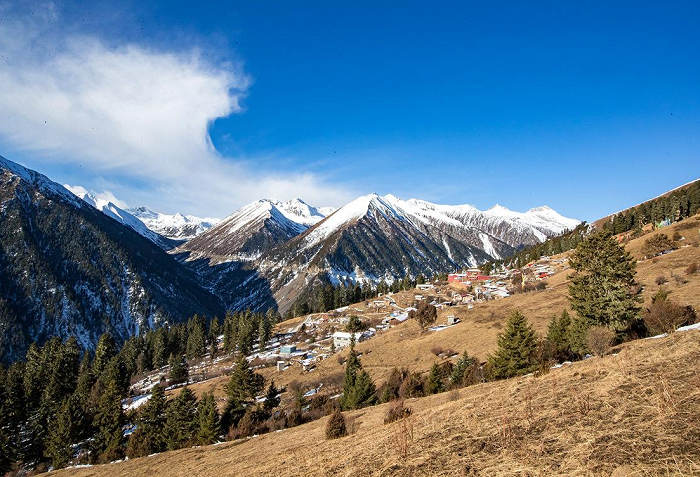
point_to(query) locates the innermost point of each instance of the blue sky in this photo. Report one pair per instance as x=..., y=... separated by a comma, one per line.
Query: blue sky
x=587, y=108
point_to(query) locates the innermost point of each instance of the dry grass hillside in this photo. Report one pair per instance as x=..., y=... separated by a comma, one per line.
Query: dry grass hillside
x=405, y=345
x=634, y=413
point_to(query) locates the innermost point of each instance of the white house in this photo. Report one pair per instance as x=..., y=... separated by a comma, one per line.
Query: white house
x=342, y=338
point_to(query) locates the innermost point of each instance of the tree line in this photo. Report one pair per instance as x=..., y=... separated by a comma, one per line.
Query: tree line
x=328, y=297
x=673, y=207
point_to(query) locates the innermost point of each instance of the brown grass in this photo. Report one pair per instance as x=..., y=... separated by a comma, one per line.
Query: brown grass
x=638, y=409
x=405, y=345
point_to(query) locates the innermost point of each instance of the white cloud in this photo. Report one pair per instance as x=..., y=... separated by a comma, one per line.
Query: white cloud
x=132, y=115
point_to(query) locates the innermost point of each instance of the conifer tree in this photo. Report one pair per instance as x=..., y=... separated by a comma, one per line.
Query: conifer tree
x=358, y=388
x=209, y=428
x=272, y=398
x=109, y=419
x=516, y=349
x=459, y=370
x=364, y=392
x=149, y=437
x=60, y=437
x=602, y=289
x=265, y=330
x=352, y=367
x=558, y=335
x=13, y=411
x=181, y=423
x=160, y=348
x=6, y=454
x=434, y=384
x=179, y=371
x=106, y=350
x=196, y=341
x=242, y=388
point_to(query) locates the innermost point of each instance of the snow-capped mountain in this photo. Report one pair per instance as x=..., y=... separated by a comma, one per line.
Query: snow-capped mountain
x=371, y=238
x=111, y=210
x=175, y=226
x=67, y=268
x=253, y=229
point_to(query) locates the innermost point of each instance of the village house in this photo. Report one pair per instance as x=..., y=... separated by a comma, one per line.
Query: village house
x=342, y=339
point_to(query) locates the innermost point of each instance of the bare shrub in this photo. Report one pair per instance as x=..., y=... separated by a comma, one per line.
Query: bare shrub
x=665, y=399
x=506, y=433
x=656, y=244
x=336, y=428
x=583, y=403
x=396, y=411
x=341, y=359
x=679, y=280
x=692, y=268
x=453, y=395
x=664, y=316
x=425, y=315
x=412, y=386
x=600, y=339
x=402, y=436
x=676, y=236
x=660, y=280
x=436, y=350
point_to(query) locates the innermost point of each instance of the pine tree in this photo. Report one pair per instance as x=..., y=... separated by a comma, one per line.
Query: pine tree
x=13, y=412
x=364, y=393
x=106, y=350
x=358, y=388
x=196, y=342
x=272, y=398
x=160, y=347
x=214, y=332
x=179, y=371
x=149, y=437
x=516, y=349
x=434, y=384
x=459, y=370
x=209, y=428
x=181, y=421
x=601, y=290
x=265, y=330
x=558, y=334
x=109, y=419
x=60, y=437
x=241, y=389
x=352, y=367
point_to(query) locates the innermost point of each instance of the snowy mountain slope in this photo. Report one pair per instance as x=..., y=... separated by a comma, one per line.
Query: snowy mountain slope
x=371, y=238
x=386, y=238
x=111, y=210
x=253, y=229
x=175, y=226
x=68, y=269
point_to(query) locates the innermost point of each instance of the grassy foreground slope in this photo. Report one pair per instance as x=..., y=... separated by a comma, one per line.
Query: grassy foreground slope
x=635, y=413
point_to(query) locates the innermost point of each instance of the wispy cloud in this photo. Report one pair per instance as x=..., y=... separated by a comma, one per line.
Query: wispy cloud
x=133, y=115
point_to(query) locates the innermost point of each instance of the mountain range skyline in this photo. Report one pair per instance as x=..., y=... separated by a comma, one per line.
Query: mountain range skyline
x=202, y=112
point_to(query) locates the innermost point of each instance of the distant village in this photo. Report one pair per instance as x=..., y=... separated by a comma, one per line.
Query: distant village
x=319, y=335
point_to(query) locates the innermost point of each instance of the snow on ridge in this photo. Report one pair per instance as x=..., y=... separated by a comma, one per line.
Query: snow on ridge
x=111, y=210
x=37, y=179
x=177, y=225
